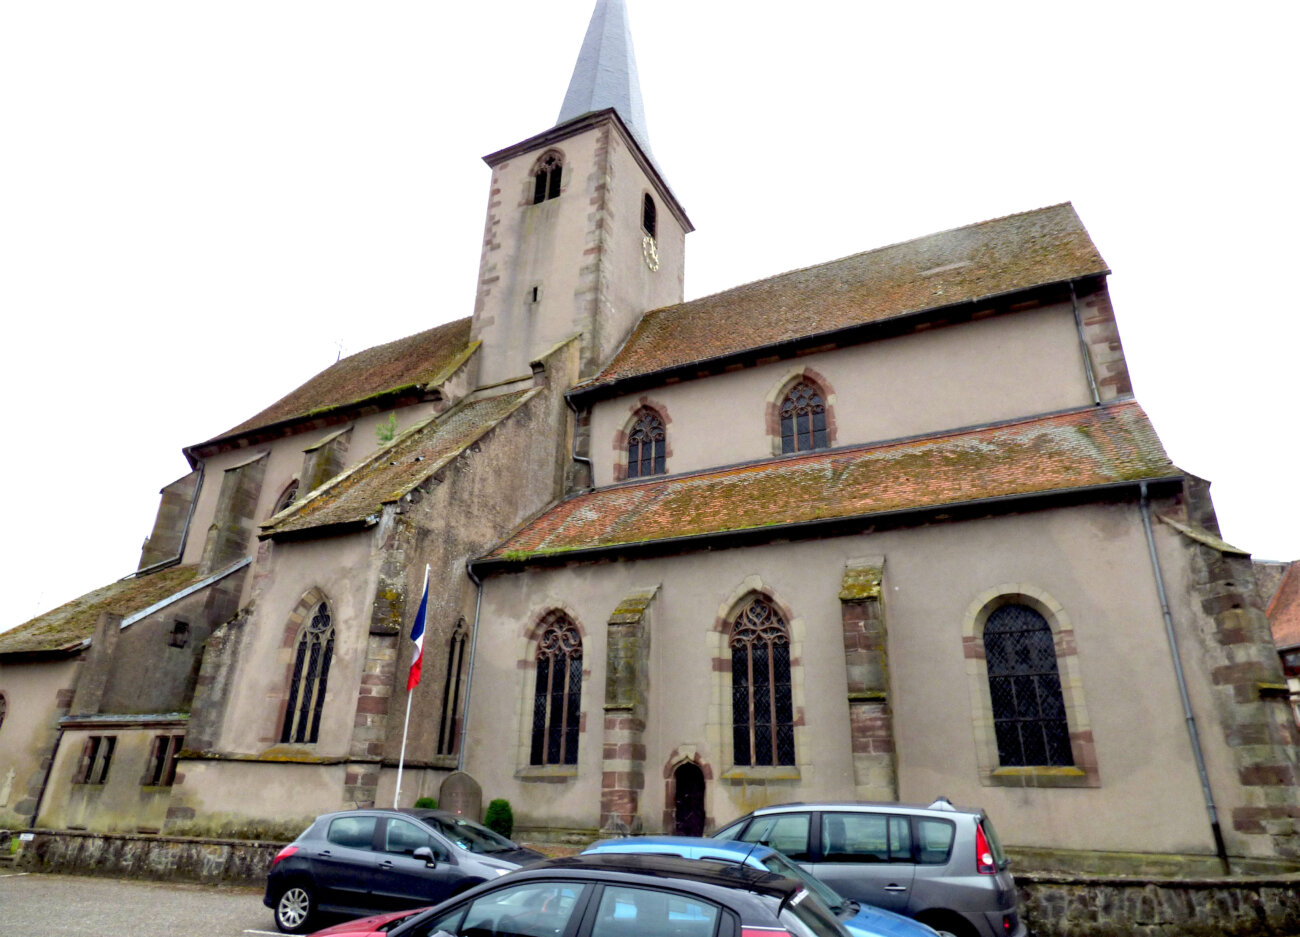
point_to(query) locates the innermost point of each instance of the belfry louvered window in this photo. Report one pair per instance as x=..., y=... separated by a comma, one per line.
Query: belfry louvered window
x=1025, y=688
x=546, y=179
x=451, y=691
x=646, y=445
x=311, y=672
x=761, y=705
x=557, y=698
x=803, y=419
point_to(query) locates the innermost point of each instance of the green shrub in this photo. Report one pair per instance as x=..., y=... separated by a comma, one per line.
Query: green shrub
x=426, y=803
x=499, y=817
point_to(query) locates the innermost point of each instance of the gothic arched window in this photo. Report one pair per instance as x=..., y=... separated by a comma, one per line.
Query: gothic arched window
x=762, y=711
x=546, y=178
x=648, y=213
x=1025, y=687
x=451, y=690
x=286, y=497
x=311, y=671
x=646, y=445
x=803, y=418
x=557, y=697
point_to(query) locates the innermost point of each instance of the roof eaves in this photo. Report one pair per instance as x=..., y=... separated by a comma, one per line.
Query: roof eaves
x=489, y=564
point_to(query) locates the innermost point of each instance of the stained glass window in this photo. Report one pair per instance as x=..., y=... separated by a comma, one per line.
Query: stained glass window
x=803, y=419
x=646, y=446
x=557, y=698
x=1025, y=687
x=311, y=671
x=762, y=709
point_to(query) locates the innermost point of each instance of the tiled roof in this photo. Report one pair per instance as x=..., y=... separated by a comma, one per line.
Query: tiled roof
x=67, y=626
x=1083, y=448
x=408, y=362
x=397, y=468
x=1284, y=610
x=1005, y=255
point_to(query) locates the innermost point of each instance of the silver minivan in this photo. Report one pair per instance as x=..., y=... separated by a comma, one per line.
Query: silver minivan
x=939, y=864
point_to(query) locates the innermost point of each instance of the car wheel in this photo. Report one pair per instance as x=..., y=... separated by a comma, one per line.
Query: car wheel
x=294, y=909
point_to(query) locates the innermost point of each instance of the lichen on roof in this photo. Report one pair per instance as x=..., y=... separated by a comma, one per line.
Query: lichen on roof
x=992, y=258
x=396, y=469
x=66, y=627
x=1080, y=449
x=411, y=362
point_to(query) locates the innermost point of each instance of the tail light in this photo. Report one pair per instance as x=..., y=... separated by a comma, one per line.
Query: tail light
x=284, y=853
x=764, y=932
x=984, y=862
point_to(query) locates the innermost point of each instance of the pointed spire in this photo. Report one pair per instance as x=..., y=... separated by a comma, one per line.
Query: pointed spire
x=605, y=74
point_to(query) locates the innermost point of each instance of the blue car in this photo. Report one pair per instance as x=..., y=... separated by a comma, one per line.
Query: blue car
x=861, y=920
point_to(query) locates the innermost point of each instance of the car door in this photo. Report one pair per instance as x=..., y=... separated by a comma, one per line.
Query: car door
x=343, y=864
x=530, y=909
x=866, y=856
x=400, y=880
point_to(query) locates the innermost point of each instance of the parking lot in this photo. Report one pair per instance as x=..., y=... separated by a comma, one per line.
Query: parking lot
x=76, y=906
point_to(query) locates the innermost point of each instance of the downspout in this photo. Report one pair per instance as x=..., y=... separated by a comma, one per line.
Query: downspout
x=1083, y=347
x=1220, y=849
x=45, y=781
x=591, y=469
x=469, y=681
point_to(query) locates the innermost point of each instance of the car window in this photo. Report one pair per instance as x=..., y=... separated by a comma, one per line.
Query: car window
x=786, y=832
x=780, y=865
x=353, y=832
x=866, y=837
x=805, y=916
x=936, y=838
x=732, y=831
x=535, y=909
x=403, y=836
x=633, y=912
x=470, y=835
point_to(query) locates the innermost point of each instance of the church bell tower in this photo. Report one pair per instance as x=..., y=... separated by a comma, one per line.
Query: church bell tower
x=583, y=235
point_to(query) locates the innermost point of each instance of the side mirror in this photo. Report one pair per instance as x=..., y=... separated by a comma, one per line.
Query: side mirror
x=425, y=853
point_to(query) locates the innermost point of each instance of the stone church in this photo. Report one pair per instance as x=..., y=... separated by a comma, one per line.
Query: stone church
x=890, y=527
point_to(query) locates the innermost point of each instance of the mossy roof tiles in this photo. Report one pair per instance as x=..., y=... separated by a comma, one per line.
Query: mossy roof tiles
x=66, y=627
x=1083, y=448
x=992, y=258
x=407, y=362
x=396, y=469
x=1284, y=610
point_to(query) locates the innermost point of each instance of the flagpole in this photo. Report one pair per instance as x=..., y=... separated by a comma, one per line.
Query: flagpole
x=410, y=687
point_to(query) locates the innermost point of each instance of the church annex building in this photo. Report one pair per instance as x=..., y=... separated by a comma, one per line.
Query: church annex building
x=890, y=527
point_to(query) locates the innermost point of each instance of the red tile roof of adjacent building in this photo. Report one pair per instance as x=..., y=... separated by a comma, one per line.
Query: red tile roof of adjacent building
x=396, y=469
x=1079, y=449
x=1284, y=610
x=992, y=258
x=411, y=362
x=68, y=626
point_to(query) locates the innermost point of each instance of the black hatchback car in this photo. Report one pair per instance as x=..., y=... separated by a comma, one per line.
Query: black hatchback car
x=620, y=895
x=360, y=861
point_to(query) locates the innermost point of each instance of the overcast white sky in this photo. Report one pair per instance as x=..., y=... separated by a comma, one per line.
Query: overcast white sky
x=202, y=203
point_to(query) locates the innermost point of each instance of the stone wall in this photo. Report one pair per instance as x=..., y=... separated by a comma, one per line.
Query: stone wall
x=163, y=858
x=1092, y=906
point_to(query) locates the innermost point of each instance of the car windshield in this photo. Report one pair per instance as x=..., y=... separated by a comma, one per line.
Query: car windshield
x=779, y=864
x=469, y=835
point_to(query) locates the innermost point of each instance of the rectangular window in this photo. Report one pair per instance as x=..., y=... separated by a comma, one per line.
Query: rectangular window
x=160, y=771
x=865, y=837
x=96, y=759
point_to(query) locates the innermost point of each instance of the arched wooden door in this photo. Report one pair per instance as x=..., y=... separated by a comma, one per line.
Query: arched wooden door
x=688, y=805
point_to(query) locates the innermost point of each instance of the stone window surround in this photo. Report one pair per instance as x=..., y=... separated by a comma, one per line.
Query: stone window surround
x=526, y=665
x=620, y=438
x=772, y=407
x=720, y=716
x=293, y=627
x=530, y=181
x=1084, y=772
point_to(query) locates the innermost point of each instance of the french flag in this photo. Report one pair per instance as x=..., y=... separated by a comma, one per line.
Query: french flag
x=417, y=635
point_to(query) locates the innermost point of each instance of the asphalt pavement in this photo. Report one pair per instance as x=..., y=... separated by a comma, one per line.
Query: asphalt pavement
x=77, y=906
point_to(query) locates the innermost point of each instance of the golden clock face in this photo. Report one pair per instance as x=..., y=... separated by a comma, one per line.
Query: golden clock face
x=650, y=251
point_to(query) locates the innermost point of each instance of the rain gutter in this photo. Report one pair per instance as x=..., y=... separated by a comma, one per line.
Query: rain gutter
x=1083, y=347
x=1220, y=849
x=187, y=591
x=469, y=679
x=591, y=469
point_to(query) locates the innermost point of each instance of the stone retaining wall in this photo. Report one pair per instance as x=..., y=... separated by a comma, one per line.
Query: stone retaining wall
x=165, y=858
x=1098, y=906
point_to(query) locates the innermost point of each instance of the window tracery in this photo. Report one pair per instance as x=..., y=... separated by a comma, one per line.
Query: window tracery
x=762, y=706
